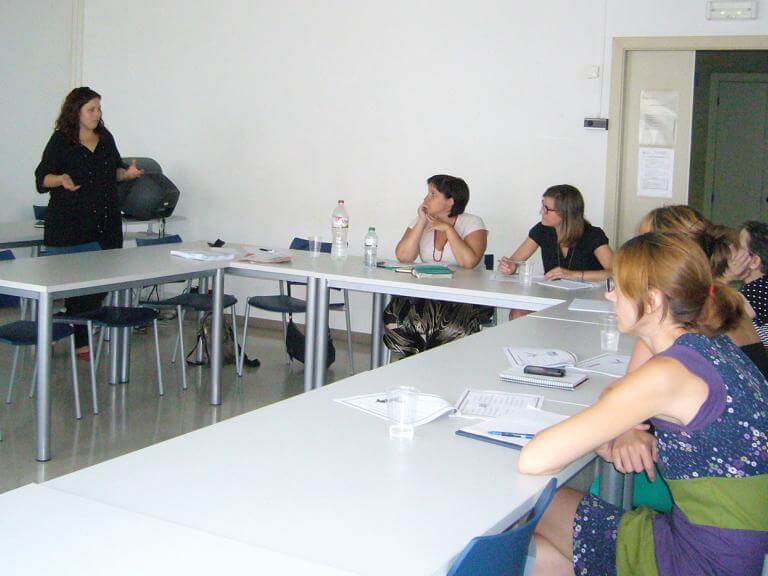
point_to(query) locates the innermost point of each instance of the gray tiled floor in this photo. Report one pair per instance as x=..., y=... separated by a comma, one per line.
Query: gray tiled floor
x=133, y=416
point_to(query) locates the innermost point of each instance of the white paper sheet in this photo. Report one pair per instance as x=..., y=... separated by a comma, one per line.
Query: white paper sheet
x=494, y=403
x=522, y=420
x=549, y=357
x=655, y=172
x=658, y=118
x=565, y=284
x=428, y=408
x=609, y=364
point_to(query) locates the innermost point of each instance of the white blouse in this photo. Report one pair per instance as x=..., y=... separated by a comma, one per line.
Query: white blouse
x=465, y=225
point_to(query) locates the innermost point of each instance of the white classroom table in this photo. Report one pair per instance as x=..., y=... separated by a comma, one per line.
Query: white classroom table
x=45, y=531
x=323, y=482
x=23, y=234
x=44, y=279
x=561, y=311
x=321, y=273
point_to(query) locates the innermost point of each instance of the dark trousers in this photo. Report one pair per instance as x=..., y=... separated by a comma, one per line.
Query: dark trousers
x=78, y=305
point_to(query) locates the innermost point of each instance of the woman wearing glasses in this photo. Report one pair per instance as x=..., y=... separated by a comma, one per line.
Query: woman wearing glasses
x=570, y=246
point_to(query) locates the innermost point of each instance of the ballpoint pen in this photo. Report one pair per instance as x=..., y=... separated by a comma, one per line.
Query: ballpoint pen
x=512, y=434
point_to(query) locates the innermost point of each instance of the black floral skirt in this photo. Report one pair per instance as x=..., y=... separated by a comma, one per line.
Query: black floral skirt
x=412, y=325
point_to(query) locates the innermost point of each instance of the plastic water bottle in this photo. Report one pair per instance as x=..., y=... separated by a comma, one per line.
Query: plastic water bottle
x=339, y=231
x=370, y=246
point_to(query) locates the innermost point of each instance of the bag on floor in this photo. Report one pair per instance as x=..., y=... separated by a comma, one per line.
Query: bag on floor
x=227, y=344
x=294, y=343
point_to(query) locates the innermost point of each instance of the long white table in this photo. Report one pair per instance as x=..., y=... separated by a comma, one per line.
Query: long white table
x=317, y=480
x=43, y=279
x=468, y=286
x=46, y=531
x=25, y=234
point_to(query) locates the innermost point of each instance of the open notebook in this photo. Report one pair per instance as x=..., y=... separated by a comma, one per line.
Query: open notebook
x=568, y=382
x=524, y=421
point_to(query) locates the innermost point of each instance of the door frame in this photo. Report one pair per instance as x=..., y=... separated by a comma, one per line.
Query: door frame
x=714, y=88
x=621, y=47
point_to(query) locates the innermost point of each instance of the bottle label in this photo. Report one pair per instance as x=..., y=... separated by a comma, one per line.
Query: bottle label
x=370, y=241
x=340, y=222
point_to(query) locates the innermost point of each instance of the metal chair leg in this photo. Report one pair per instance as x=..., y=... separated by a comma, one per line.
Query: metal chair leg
x=285, y=325
x=75, y=381
x=241, y=356
x=97, y=359
x=179, y=314
x=238, y=370
x=92, y=364
x=180, y=342
x=350, y=351
x=160, y=389
x=13, y=374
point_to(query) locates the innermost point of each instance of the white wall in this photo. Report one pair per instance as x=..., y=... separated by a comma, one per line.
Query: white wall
x=265, y=112
x=35, y=37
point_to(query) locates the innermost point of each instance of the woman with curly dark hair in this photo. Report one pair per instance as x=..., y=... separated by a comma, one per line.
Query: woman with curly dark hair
x=80, y=169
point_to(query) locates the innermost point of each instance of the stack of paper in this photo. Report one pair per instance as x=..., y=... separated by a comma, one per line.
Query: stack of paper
x=212, y=254
x=488, y=404
x=515, y=429
x=266, y=256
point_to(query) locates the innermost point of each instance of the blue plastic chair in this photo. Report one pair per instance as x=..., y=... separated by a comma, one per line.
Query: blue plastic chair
x=503, y=554
x=24, y=333
x=7, y=301
x=107, y=317
x=286, y=304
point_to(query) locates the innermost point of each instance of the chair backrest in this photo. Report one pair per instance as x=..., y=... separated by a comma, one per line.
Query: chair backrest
x=40, y=211
x=488, y=260
x=5, y=300
x=303, y=244
x=55, y=250
x=503, y=554
x=172, y=239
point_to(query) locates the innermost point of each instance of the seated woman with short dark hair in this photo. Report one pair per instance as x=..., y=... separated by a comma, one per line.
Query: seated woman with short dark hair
x=441, y=233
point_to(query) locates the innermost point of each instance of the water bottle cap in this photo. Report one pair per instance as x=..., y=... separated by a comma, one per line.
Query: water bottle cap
x=341, y=201
x=371, y=229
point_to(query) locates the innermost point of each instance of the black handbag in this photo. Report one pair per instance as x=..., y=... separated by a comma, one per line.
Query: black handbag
x=294, y=343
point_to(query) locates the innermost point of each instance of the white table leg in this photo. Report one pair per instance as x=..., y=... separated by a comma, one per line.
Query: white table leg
x=309, y=335
x=611, y=484
x=125, y=350
x=377, y=330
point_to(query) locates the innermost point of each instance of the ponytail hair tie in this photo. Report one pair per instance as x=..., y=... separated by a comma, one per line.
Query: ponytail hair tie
x=711, y=290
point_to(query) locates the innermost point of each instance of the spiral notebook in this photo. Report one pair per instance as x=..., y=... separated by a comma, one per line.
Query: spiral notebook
x=568, y=382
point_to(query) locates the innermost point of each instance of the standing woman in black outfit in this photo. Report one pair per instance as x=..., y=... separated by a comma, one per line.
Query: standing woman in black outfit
x=81, y=168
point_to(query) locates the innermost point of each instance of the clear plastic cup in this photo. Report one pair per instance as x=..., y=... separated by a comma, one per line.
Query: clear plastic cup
x=402, y=402
x=609, y=333
x=524, y=270
x=315, y=245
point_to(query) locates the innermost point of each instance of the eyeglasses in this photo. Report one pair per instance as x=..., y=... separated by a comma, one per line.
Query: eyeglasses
x=547, y=209
x=610, y=284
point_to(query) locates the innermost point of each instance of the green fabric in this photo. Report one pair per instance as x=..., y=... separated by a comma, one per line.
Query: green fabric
x=635, y=548
x=655, y=495
x=736, y=503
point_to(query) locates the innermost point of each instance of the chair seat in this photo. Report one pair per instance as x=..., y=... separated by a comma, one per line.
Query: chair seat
x=195, y=301
x=285, y=304
x=116, y=316
x=24, y=332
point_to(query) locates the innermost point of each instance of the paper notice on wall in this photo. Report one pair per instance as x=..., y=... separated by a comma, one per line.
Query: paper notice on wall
x=658, y=118
x=655, y=171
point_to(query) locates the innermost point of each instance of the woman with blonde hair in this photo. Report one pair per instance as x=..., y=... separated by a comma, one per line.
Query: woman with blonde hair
x=709, y=406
